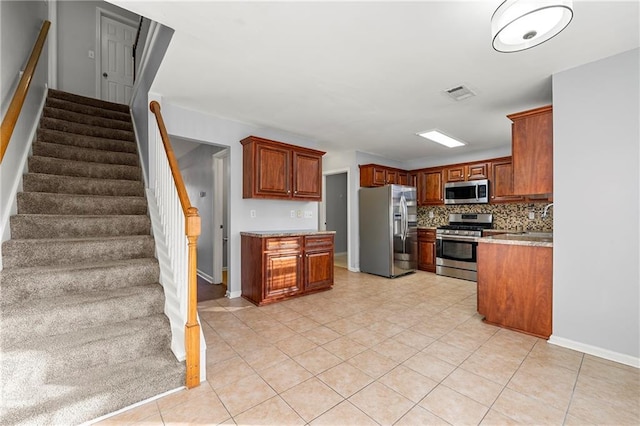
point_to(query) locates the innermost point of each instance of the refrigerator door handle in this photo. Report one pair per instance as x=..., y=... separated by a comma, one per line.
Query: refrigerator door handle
x=405, y=217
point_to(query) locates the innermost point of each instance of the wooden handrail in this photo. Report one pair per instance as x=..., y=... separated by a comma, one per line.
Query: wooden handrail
x=192, y=231
x=11, y=117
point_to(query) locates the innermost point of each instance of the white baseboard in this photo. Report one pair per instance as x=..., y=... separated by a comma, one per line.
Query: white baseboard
x=342, y=253
x=353, y=269
x=595, y=351
x=233, y=294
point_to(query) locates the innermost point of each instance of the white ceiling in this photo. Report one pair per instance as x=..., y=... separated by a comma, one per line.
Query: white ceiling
x=367, y=76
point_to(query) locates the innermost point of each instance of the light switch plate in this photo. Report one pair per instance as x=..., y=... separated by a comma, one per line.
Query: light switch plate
x=308, y=214
x=252, y=213
x=92, y=54
x=532, y=215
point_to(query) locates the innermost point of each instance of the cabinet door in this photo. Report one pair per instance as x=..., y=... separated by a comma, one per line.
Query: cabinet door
x=318, y=262
x=272, y=177
x=430, y=188
x=379, y=176
x=283, y=274
x=501, y=182
x=427, y=250
x=403, y=179
x=532, y=151
x=455, y=174
x=477, y=171
x=307, y=176
x=392, y=176
x=318, y=269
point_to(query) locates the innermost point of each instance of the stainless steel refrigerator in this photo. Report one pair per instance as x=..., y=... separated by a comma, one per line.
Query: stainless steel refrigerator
x=388, y=230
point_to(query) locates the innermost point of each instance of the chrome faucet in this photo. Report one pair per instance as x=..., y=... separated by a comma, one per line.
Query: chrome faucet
x=546, y=208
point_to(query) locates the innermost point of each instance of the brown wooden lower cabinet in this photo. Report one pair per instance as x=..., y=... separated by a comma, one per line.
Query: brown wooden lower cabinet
x=427, y=250
x=515, y=287
x=275, y=268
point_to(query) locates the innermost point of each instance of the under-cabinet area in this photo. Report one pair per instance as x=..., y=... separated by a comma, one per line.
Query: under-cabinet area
x=280, y=265
x=515, y=282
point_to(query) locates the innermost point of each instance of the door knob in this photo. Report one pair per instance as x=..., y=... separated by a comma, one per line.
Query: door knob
x=105, y=75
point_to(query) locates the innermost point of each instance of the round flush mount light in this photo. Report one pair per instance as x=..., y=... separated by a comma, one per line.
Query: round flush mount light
x=522, y=24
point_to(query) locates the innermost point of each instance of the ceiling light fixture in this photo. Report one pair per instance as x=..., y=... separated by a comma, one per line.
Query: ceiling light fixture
x=441, y=138
x=522, y=24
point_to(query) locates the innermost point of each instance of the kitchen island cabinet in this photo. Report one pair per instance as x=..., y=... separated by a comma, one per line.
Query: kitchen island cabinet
x=280, y=265
x=515, y=283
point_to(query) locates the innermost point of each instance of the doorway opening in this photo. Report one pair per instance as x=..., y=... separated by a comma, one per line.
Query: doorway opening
x=334, y=213
x=205, y=171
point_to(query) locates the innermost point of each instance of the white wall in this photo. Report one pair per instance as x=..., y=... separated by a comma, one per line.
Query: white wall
x=596, y=279
x=20, y=24
x=271, y=215
x=76, y=36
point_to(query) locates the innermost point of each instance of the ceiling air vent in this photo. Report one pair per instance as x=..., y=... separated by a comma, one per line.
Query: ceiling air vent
x=459, y=93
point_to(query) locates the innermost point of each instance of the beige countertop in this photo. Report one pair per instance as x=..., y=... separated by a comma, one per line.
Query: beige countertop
x=292, y=233
x=534, y=239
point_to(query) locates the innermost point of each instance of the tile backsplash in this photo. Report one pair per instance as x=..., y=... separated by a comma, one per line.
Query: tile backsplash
x=511, y=216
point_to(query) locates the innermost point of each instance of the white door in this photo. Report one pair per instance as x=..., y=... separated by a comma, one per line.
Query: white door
x=116, y=46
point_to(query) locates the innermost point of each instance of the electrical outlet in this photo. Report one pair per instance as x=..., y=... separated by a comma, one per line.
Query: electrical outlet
x=308, y=214
x=532, y=215
x=252, y=213
x=431, y=215
x=293, y=214
x=299, y=214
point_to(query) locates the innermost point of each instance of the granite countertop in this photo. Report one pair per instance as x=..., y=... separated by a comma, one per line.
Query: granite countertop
x=534, y=239
x=292, y=233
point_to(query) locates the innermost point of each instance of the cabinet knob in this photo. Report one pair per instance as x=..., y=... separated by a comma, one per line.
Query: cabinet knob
x=295, y=192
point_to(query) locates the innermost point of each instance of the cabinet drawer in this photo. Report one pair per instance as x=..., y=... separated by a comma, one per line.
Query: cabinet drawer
x=292, y=243
x=318, y=241
x=427, y=234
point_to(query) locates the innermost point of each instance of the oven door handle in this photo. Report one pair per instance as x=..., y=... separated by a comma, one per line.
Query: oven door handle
x=457, y=238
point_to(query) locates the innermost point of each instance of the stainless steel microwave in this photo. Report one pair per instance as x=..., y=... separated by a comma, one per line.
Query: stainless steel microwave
x=472, y=192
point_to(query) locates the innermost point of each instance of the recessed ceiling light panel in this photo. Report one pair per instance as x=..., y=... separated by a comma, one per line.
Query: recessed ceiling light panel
x=439, y=137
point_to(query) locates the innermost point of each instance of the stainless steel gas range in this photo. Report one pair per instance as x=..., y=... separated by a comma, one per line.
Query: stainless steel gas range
x=457, y=244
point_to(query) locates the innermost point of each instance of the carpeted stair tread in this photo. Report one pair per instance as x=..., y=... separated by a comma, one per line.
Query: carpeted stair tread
x=84, y=129
x=84, y=118
x=119, y=342
x=65, y=152
x=32, y=226
x=97, y=392
x=59, y=315
x=74, y=204
x=79, y=99
x=45, y=252
x=87, y=109
x=18, y=285
x=56, y=166
x=41, y=182
x=83, y=141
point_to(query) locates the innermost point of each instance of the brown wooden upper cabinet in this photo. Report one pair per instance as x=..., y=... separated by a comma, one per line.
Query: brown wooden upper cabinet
x=278, y=170
x=501, y=183
x=376, y=175
x=532, y=151
x=430, y=187
x=466, y=172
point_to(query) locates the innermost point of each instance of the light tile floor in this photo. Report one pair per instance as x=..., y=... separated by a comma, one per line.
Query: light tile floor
x=375, y=351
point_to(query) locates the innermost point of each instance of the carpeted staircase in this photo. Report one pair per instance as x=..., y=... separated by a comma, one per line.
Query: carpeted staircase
x=82, y=329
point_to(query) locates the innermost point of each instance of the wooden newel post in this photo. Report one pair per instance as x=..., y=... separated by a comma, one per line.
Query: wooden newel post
x=192, y=328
